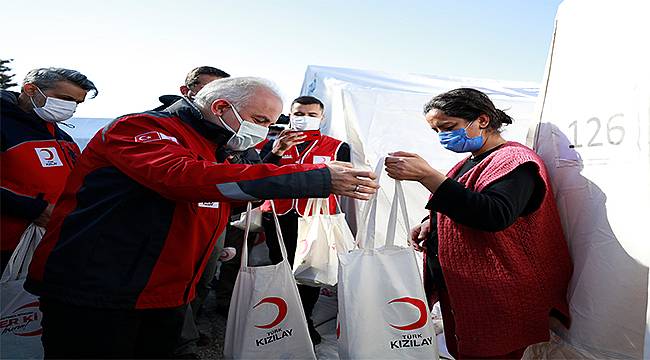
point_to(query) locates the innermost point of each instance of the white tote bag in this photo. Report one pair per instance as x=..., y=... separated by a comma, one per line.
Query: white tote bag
x=20, y=317
x=266, y=319
x=383, y=312
x=256, y=221
x=321, y=237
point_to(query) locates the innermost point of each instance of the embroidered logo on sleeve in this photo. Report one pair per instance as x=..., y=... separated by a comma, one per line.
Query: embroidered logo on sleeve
x=154, y=136
x=48, y=157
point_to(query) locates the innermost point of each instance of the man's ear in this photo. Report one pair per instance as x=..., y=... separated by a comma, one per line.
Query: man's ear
x=184, y=90
x=30, y=89
x=483, y=121
x=219, y=106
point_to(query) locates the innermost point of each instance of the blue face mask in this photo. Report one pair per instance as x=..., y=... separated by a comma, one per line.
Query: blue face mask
x=458, y=141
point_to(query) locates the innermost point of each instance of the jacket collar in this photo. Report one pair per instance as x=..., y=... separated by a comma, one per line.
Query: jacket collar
x=10, y=110
x=9, y=105
x=189, y=114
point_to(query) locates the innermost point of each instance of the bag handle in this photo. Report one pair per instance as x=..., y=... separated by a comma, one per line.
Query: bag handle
x=318, y=205
x=399, y=200
x=338, y=204
x=18, y=265
x=244, y=252
x=369, y=214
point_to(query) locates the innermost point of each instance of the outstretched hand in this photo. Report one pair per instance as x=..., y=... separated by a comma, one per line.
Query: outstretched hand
x=351, y=182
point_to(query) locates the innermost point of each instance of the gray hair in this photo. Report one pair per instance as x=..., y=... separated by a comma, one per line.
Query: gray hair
x=45, y=78
x=237, y=90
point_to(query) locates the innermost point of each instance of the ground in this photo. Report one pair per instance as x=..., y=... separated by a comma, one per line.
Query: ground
x=211, y=323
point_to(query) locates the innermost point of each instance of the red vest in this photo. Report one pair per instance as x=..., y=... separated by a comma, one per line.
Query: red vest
x=32, y=168
x=502, y=285
x=320, y=151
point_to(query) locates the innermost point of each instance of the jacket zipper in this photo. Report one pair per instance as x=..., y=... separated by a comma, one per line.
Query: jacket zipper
x=205, y=258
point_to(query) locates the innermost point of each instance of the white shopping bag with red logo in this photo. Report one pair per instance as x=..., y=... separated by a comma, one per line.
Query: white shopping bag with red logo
x=321, y=237
x=20, y=317
x=266, y=319
x=383, y=312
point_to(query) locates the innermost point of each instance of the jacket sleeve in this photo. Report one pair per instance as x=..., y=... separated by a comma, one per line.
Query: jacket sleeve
x=497, y=206
x=142, y=149
x=21, y=206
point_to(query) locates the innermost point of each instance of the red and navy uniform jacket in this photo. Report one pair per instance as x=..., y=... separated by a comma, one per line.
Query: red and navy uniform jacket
x=143, y=208
x=319, y=151
x=36, y=158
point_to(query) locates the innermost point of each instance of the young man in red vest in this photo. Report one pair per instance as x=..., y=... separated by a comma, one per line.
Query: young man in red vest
x=294, y=147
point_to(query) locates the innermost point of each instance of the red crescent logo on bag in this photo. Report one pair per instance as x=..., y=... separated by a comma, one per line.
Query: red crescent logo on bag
x=338, y=330
x=420, y=305
x=304, y=246
x=282, y=310
x=20, y=320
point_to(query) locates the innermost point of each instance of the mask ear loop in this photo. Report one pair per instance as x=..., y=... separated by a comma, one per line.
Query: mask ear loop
x=31, y=98
x=485, y=138
x=70, y=126
x=479, y=134
x=232, y=108
x=235, y=112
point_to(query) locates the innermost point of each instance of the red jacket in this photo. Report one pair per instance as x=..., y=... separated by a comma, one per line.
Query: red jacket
x=36, y=158
x=320, y=151
x=143, y=208
x=503, y=285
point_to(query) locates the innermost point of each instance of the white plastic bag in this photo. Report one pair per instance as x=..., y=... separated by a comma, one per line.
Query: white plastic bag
x=266, y=319
x=383, y=312
x=321, y=237
x=256, y=221
x=20, y=317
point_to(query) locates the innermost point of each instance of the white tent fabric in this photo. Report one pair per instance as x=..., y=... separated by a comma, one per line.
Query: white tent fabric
x=377, y=113
x=594, y=137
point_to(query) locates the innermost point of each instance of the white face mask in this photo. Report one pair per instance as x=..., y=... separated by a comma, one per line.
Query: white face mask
x=54, y=110
x=304, y=123
x=248, y=135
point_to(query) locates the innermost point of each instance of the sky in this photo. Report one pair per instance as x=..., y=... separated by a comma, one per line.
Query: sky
x=135, y=51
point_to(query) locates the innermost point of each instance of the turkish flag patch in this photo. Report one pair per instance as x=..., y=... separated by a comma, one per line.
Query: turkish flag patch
x=154, y=136
x=148, y=136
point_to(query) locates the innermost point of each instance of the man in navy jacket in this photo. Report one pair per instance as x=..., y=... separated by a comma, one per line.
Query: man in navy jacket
x=36, y=154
